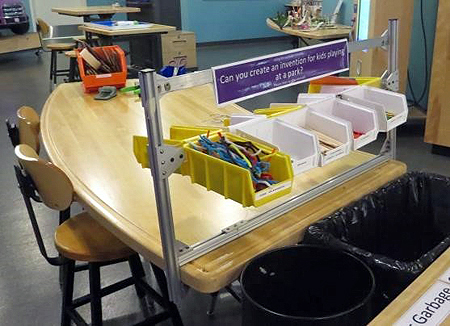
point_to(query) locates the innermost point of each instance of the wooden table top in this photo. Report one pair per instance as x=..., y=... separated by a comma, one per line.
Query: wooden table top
x=341, y=31
x=94, y=10
x=92, y=142
x=154, y=29
x=413, y=292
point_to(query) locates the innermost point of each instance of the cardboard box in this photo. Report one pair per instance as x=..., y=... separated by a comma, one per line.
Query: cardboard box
x=178, y=45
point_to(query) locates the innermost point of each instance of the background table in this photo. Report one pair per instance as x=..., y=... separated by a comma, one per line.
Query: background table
x=92, y=142
x=104, y=12
x=152, y=34
x=341, y=31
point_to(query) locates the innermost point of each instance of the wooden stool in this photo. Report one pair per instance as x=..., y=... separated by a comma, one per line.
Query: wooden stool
x=27, y=131
x=82, y=238
x=44, y=31
x=73, y=66
x=57, y=48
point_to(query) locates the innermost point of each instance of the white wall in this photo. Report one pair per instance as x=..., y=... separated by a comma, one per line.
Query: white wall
x=43, y=9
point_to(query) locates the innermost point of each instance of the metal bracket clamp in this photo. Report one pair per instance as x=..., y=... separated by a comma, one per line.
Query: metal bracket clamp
x=391, y=82
x=235, y=227
x=382, y=41
x=169, y=159
x=198, y=78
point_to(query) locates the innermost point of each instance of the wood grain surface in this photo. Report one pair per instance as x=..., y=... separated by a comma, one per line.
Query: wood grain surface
x=374, y=61
x=321, y=34
x=155, y=28
x=438, y=115
x=92, y=142
x=94, y=10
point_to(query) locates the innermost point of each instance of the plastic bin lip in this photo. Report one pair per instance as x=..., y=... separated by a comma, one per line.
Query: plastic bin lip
x=342, y=313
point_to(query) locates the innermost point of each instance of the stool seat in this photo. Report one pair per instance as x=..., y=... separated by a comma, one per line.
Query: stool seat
x=70, y=54
x=84, y=39
x=84, y=239
x=61, y=46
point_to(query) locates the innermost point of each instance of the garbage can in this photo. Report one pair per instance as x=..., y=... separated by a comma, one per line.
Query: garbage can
x=398, y=230
x=306, y=285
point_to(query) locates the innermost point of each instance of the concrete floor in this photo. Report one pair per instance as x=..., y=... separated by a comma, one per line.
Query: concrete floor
x=29, y=290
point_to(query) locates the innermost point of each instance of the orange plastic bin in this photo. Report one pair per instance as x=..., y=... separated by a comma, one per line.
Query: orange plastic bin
x=91, y=83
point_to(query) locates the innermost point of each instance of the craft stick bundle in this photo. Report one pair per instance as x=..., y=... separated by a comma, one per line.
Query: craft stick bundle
x=102, y=60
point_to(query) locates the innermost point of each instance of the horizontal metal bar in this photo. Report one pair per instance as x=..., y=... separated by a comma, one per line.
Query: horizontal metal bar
x=221, y=239
x=198, y=78
x=368, y=44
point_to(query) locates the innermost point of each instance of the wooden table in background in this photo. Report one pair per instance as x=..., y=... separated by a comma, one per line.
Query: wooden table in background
x=92, y=142
x=14, y=43
x=437, y=131
x=104, y=12
x=341, y=31
x=152, y=34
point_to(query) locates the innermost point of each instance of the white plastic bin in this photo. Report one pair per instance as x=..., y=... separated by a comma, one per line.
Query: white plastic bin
x=333, y=127
x=362, y=119
x=301, y=145
x=238, y=118
x=307, y=98
x=382, y=101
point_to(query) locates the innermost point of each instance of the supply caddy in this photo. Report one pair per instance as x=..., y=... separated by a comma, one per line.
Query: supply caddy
x=246, y=79
x=216, y=174
x=111, y=57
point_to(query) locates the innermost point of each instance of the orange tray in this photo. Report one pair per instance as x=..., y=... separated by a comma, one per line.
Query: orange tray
x=91, y=83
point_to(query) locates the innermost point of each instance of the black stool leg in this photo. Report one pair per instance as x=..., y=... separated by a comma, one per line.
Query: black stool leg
x=72, y=68
x=137, y=271
x=55, y=68
x=170, y=306
x=52, y=64
x=96, y=299
x=63, y=216
x=176, y=318
x=212, y=305
x=67, y=291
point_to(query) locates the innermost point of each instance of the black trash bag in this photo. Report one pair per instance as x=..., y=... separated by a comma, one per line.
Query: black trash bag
x=398, y=230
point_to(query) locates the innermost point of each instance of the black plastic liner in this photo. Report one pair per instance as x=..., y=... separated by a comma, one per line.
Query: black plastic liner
x=307, y=285
x=398, y=230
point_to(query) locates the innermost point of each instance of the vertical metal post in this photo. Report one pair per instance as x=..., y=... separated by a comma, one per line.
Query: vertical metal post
x=393, y=69
x=393, y=46
x=150, y=102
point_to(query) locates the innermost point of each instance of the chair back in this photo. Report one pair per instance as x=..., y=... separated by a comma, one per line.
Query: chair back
x=45, y=32
x=29, y=127
x=52, y=184
x=43, y=28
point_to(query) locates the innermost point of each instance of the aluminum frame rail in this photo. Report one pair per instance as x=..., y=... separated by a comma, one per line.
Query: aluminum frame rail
x=164, y=160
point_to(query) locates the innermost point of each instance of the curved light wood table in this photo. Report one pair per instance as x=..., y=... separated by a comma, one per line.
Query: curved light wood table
x=92, y=142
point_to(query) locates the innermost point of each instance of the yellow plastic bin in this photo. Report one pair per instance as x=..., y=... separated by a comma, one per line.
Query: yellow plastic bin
x=275, y=111
x=184, y=132
x=227, y=179
x=316, y=86
x=235, y=182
